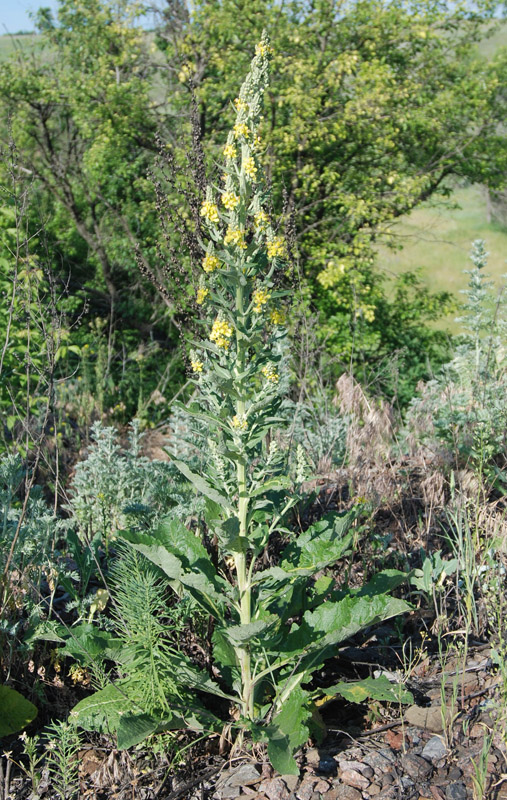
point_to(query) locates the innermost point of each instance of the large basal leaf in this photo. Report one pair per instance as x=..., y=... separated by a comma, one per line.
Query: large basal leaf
x=322, y=544
x=371, y=688
x=195, y=678
x=241, y=634
x=16, y=712
x=288, y=731
x=332, y=623
x=102, y=710
x=382, y=583
x=180, y=554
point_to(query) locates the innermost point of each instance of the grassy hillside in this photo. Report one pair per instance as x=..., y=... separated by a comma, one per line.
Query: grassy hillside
x=10, y=43
x=437, y=241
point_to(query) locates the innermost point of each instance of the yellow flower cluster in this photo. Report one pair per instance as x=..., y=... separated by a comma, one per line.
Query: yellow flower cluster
x=240, y=104
x=270, y=373
x=221, y=333
x=250, y=168
x=230, y=151
x=230, y=200
x=202, y=294
x=196, y=365
x=257, y=143
x=277, y=316
x=260, y=298
x=240, y=129
x=276, y=248
x=261, y=220
x=263, y=49
x=209, y=211
x=235, y=236
x=210, y=262
x=239, y=422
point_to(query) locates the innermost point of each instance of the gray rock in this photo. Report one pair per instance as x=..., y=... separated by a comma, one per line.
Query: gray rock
x=377, y=762
x=427, y=718
x=358, y=766
x=416, y=767
x=434, y=750
x=245, y=775
x=353, y=778
x=456, y=791
x=275, y=789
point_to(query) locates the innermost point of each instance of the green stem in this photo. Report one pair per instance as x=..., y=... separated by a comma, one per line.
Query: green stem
x=240, y=563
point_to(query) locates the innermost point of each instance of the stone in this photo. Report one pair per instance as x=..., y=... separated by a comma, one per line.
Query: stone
x=456, y=791
x=416, y=767
x=364, y=769
x=229, y=792
x=291, y=781
x=349, y=793
x=434, y=750
x=305, y=791
x=353, y=778
x=388, y=754
x=313, y=756
x=245, y=775
x=321, y=786
x=427, y=718
x=387, y=779
x=332, y=794
x=275, y=789
x=374, y=789
x=455, y=774
x=327, y=765
x=377, y=761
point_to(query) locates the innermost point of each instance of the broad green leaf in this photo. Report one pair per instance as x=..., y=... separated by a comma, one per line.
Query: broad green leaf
x=240, y=634
x=371, y=688
x=332, y=623
x=288, y=731
x=322, y=544
x=195, y=678
x=102, y=710
x=180, y=554
x=382, y=583
x=133, y=728
x=201, y=484
x=16, y=712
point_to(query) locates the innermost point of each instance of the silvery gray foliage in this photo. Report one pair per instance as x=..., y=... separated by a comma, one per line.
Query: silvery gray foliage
x=464, y=408
x=114, y=487
x=320, y=429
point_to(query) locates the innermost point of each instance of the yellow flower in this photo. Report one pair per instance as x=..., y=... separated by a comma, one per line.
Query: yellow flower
x=250, y=168
x=202, y=294
x=221, y=333
x=230, y=151
x=240, y=104
x=276, y=248
x=210, y=262
x=277, y=316
x=270, y=373
x=230, y=200
x=239, y=422
x=209, y=211
x=257, y=143
x=260, y=298
x=240, y=129
x=261, y=220
x=235, y=236
x=196, y=365
x=262, y=49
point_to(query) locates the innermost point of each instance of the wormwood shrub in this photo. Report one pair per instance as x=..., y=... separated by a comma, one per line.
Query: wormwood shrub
x=463, y=410
x=272, y=627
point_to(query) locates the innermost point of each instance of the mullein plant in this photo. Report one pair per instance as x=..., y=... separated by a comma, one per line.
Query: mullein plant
x=272, y=627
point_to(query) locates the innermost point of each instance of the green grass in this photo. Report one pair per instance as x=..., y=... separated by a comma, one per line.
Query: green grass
x=437, y=242
x=8, y=43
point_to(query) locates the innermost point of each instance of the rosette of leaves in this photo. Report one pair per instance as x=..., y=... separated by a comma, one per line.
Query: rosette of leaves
x=273, y=628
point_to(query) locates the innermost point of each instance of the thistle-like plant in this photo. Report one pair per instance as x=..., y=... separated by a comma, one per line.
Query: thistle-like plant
x=272, y=627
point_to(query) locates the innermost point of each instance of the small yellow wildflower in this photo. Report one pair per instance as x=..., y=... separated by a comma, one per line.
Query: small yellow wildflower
x=230, y=200
x=235, y=236
x=239, y=422
x=196, y=365
x=230, y=151
x=262, y=49
x=250, y=168
x=270, y=373
x=210, y=262
x=260, y=298
x=261, y=221
x=221, y=333
x=240, y=104
x=277, y=316
x=257, y=143
x=209, y=211
x=276, y=248
x=240, y=129
x=202, y=294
